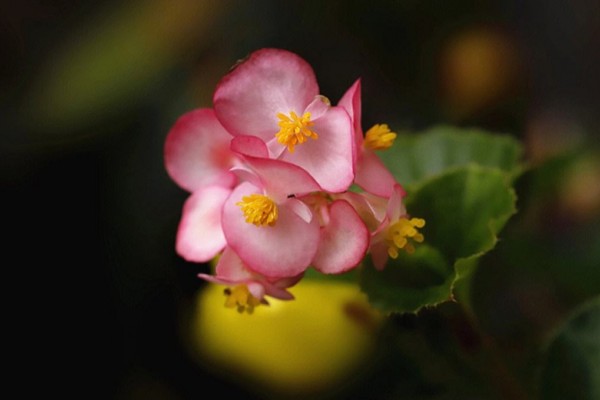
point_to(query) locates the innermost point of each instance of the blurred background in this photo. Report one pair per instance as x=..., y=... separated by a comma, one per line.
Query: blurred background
x=100, y=304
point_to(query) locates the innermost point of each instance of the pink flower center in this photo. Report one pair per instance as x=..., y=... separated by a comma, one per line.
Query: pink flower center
x=294, y=129
x=402, y=233
x=259, y=209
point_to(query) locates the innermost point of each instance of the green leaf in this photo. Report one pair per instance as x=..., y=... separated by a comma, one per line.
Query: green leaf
x=464, y=209
x=415, y=157
x=572, y=368
x=409, y=282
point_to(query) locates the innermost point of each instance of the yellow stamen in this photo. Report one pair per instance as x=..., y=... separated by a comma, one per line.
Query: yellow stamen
x=402, y=234
x=379, y=137
x=294, y=129
x=240, y=297
x=259, y=210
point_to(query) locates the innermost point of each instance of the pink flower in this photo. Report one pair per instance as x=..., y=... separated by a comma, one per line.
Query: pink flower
x=269, y=171
x=392, y=229
x=265, y=223
x=249, y=288
x=273, y=95
x=371, y=174
x=398, y=231
x=197, y=151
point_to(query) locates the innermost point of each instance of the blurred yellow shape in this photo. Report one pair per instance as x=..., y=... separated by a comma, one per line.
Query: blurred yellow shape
x=478, y=67
x=580, y=192
x=299, y=346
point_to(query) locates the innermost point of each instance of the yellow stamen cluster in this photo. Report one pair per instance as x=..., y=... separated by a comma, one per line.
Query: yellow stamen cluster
x=294, y=129
x=402, y=233
x=379, y=137
x=240, y=297
x=259, y=210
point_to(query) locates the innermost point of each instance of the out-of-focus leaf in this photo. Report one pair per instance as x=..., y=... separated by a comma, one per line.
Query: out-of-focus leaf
x=415, y=157
x=465, y=208
x=572, y=369
x=117, y=57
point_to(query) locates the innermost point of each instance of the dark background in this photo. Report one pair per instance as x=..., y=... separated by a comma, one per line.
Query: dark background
x=96, y=293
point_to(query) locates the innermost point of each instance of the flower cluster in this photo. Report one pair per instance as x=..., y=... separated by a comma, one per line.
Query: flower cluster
x=270, y=168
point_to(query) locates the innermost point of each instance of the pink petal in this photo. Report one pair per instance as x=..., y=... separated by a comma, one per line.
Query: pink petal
x=351, y=102
x=230, y=270
x=360, y=203
x=373, y=176
x=396, y=207
x=256, y=289
x=249, y=146
x=283, y=250
x=281, y=179
x=270, y=81
x=344, y=240
x=300, y=209
x=275, y=148
x=284, y=283
x=370, y=208
x=246, y=174
x=197, y=151
x=231, y=267
x=318, y=107
x=215, y=279
x=200, y=236
x=329, y=158
x=379, y=255
x=277, y=292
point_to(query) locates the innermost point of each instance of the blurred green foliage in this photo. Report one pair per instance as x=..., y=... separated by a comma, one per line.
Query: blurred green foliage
x=518, y=288
x=573, y=357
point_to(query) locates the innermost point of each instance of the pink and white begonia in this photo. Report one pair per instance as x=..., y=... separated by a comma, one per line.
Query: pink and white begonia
x=396, y=231
x=265, y=223
x=247, y=289
x=370, y=172
x=273, y=95
x=269, y=171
